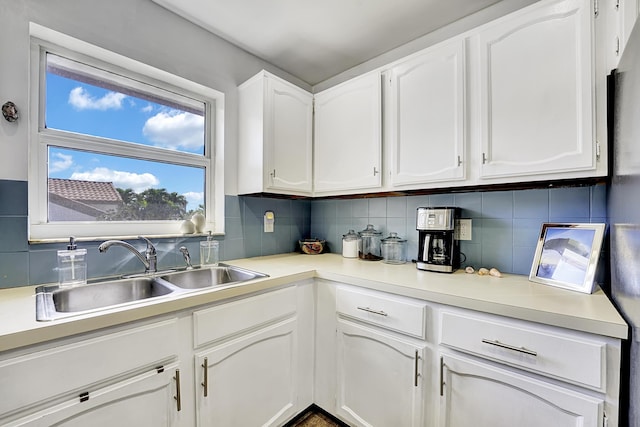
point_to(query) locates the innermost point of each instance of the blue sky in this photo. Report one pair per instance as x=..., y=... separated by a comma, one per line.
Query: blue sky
x=83, y=108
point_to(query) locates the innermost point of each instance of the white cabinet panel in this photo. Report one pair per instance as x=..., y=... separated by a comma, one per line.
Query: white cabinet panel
x=380, y=379
x=426, y=115
x=532, y=347
x=394, y=312
x=478, y=394
x=147, y=400
x=347, y=147
x=65, y=368
x=536, y=91
x=250, y=381
x=275, y=137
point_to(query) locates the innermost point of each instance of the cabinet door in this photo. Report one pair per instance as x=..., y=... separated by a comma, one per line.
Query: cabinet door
x=380, y=379
x=536, y=84
x=250, y=381
x=289, y=131
x=347, y=151
x=147, y=400
x=427, y=117
x=479, y=394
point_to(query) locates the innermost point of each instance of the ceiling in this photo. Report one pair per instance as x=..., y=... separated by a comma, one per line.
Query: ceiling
x=314, y=40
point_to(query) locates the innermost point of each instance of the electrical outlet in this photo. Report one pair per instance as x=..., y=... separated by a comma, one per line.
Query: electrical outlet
x=463, y=229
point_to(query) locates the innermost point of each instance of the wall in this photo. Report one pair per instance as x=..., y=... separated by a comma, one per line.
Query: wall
x=505, y=224
x=23, y=264
x=144, y=31
x=138, y=29
x=505, y=229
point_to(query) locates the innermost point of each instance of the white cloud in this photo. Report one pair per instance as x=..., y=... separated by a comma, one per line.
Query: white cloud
x=60, y=162
x=194, y=197
x=136, y=181
x=82, y=100
x=147, y=109
x=175, y=130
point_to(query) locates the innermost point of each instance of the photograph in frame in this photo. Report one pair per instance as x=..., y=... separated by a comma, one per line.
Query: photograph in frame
x=567, y=256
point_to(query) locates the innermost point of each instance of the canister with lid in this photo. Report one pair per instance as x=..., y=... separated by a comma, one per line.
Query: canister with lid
x=350, y=245
x=369, y=244
x=394, y=249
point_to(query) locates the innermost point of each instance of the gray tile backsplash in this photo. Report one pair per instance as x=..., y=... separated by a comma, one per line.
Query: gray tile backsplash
x=505, y=224
x=505, y=227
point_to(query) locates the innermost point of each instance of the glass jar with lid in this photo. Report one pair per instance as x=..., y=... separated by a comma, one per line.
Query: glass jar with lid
x=350, y=245
x=369, y=244
x=394, y=249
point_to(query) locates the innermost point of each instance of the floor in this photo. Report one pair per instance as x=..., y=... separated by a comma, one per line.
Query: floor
x=315, y=419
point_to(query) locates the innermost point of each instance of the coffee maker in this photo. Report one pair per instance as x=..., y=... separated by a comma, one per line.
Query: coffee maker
x=438, y=250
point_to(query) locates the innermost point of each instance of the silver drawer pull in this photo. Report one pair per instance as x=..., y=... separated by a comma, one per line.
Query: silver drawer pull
x=510, y=347
x=369, y=310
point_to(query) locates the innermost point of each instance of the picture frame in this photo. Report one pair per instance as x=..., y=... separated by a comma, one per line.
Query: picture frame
x=567, y=255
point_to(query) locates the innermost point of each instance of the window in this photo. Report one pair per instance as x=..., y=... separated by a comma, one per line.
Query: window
x=118, y=148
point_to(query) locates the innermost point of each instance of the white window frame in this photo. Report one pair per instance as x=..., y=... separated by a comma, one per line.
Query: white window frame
x=46, y=40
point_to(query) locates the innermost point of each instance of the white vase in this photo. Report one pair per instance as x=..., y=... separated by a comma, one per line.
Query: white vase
x=198, y=220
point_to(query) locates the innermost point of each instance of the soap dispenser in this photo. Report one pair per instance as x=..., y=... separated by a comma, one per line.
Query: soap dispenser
x=209, y=251
x=72, y=265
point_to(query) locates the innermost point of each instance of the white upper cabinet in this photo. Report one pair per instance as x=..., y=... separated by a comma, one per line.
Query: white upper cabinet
x=275, y=137
x=536, y=84
x=425, y=117
x=347, y=145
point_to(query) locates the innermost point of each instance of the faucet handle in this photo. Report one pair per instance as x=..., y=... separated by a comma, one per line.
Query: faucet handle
x=151, y=250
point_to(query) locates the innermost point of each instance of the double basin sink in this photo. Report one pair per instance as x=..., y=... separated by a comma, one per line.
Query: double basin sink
x=57, y=302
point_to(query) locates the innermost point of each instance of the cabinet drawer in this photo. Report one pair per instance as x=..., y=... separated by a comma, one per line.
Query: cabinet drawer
x=223, y=320
x=389, y=311
x=544, y=350
x=77, y=367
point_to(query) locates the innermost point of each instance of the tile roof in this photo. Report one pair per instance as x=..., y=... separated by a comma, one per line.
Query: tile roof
x=88, y=191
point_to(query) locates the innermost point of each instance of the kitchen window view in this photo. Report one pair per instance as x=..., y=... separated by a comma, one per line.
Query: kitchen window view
x=118, y=148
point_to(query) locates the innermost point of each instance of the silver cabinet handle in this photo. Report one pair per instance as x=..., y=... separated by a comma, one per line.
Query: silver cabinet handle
x=416, y=374
x=369, y=310
x=177, y=396
x=205, y=382
x=441, y=376
x=510, y=347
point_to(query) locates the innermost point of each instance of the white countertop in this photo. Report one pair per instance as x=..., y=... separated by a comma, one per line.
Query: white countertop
x=512, y=295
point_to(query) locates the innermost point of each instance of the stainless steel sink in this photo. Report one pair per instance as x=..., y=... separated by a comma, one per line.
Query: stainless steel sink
x=209, y=277
x=57, y=302
x=54, y=302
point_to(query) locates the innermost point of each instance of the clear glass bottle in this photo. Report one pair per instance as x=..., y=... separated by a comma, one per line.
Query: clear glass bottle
x=72, y=265
x=209, y=251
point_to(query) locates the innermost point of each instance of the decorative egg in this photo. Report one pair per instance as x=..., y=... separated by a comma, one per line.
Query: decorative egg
x=199, y=221
x=187, y=227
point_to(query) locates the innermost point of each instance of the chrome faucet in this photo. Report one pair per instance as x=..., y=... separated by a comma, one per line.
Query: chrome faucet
x=149, y=259
x=187, y=257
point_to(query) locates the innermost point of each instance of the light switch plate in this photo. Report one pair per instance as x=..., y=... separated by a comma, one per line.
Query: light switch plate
x=462, y=229
x=269, y=219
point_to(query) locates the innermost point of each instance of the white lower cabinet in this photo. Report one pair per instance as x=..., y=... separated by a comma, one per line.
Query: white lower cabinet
x=128, y=377
x=503, y=372
x=248, y=364
x=475, y=393
x=146, y=400
x=366, y=356
x=381, y=357
x=379, y=377
x=249, y=381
